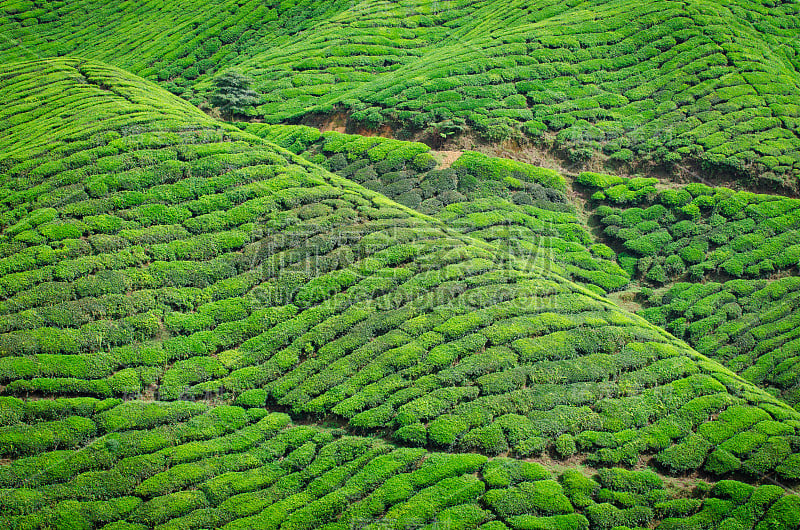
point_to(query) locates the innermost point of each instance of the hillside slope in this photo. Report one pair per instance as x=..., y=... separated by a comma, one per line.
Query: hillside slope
x=664, y=234
x=706, y=81
x=521, y=209
x=733, y=258
x=162, y=267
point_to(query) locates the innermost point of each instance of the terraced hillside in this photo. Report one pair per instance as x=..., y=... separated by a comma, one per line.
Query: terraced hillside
x=743, y=247
x=707, y=232
x=260, y=471
x=749, y=325
x=656, y=84
x=521, y=209
x=694, y=233
x=169, y=283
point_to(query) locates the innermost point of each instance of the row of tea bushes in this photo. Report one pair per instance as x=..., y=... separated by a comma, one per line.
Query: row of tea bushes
x=696, y=231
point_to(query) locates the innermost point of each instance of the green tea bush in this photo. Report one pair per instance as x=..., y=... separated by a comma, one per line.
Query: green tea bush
x=22, y=439
x=677, y=508
x=722, y=462
x=504, y=472
x=579, y=488
x=446, y=430
x=554, y=522
x=632, y=481
x=138, y=414
x=543, y=497
x=565, y=445
x=689, y=454
x=608, y=516
x=162, y=509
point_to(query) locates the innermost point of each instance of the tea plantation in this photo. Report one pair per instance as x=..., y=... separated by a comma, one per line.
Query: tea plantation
x=202, y=329
x=232, y=468
x=749, y=325
x=652, y=84
x=696, y=231
x=520, y=208
x=745, y=247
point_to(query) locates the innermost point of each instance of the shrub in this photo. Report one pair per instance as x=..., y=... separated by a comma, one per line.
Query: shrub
x=20, y=439
x=692, y=254
x=734, y=490
x=677, y=508
x=722, y=462
x=598, y=180
x=784, y=513
x=554, y=522
x=505, y=472
x=141, y=415
x=768, y=456
x=790, y=468
x=543, y=497
x=413, y=434
x=650, y=244
x=423, y=162
x=672, y=198
x=688, y=454
x=565, y=445
x=440, y=465
x=579, y=488
x=657, y=274
x=445, y=430
x=489, y=439
x=608, y=516
x=100, y=485
x=462, y=516
x=488, y=168
x=217, y=421
x=182, y=476
x=640, y=482
x=424, y=505
x=162, y=509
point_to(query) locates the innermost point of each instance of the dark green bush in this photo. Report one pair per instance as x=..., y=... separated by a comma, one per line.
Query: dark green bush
x=565, y=445
x=641, y=482
x=504, y=472
x=608, y=516
x=554, y=522
x=445, y=430
x=490, y=439
x=677, y=508
x=722, y=462
x=21, y=439
x=414, y=434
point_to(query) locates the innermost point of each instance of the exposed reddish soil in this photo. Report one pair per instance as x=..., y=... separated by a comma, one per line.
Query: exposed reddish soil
x=543, y=153
x=446, y=158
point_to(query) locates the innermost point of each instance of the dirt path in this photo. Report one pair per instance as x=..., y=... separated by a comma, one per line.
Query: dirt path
x=446, y=158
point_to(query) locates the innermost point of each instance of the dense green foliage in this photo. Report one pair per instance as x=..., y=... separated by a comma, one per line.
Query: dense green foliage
x=233, y=94
x=696, y=231
x=261, y=471
x=700, y=233
x=749, y=325
x=166, y=279
x=521, y=209
x=658, y=82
